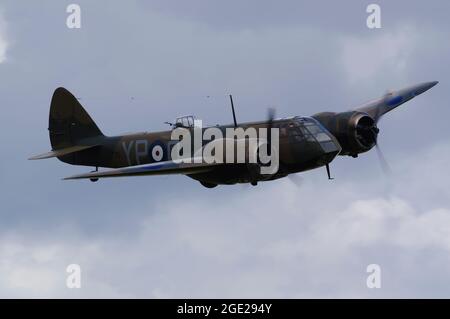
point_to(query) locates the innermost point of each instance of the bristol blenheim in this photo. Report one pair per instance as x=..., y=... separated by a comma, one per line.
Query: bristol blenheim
x=303, y=143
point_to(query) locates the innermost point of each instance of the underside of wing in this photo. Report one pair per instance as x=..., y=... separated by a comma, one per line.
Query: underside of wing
x=160, y=168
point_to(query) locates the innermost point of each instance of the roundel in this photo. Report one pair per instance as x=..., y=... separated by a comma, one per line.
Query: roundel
x=157, y=151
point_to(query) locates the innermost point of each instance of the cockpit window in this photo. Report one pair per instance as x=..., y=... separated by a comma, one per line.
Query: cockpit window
x=185, y=121
x=314, y=132
x=295, y=131
x=311, y=130
x=317, y=132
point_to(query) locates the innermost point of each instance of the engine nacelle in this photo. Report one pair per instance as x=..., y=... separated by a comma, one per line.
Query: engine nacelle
x=356, y=131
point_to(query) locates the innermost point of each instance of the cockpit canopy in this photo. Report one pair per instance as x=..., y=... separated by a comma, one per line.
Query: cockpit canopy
x=311, y=130
x=187, y=121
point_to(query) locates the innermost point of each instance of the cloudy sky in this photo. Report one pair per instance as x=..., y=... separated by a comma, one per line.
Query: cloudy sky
x=170, y=237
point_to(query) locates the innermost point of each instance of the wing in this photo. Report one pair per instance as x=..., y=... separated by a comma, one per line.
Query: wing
x=160, y=168
x=391, y=100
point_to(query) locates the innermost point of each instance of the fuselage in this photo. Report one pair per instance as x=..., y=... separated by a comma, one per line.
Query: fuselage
x=304, y=144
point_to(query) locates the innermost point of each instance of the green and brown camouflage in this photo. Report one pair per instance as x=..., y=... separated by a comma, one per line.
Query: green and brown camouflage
x=304, y=143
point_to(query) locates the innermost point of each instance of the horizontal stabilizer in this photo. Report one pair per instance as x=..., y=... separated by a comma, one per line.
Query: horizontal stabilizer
x=62, y=152
x=159, y=168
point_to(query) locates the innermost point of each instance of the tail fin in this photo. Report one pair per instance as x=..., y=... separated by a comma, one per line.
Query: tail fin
x=69, y=123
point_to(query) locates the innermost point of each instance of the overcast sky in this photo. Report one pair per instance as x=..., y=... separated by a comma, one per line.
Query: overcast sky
x=171, y=237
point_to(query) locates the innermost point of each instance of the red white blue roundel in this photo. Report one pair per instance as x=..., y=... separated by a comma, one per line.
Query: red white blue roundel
x=157, y=151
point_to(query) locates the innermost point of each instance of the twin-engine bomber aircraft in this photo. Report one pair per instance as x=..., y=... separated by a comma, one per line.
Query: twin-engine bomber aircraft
x=304, y=143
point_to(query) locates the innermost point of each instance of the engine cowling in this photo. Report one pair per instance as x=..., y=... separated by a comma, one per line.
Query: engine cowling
x=356, y=131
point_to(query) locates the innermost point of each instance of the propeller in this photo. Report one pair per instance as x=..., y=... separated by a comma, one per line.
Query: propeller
x=270, y=118
x=374, y=130
x=368, y=133
x=270, y=115
x=384, y=164
x=296, y=179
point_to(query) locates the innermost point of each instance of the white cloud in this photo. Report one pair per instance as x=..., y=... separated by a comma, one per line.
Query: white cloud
x=277, y=241
x=3, y=40
x=376, y=53
x=37, y=269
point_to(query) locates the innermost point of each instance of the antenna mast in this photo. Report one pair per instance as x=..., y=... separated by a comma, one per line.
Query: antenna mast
x=232, y=108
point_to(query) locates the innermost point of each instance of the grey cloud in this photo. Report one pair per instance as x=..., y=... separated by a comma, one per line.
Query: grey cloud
x=167, y=236
x=294, y=247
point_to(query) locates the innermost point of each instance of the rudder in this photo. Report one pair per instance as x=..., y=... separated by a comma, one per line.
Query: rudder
x=69, y=122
